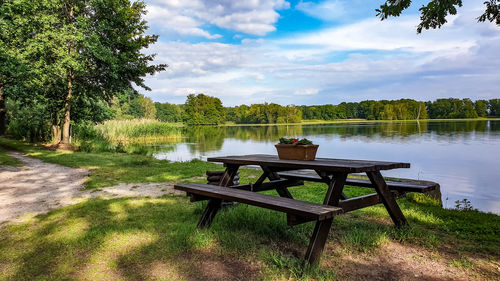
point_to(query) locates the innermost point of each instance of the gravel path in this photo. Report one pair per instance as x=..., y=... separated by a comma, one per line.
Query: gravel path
x=37, y=187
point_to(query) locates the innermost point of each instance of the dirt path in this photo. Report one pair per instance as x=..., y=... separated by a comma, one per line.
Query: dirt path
x=37, y=187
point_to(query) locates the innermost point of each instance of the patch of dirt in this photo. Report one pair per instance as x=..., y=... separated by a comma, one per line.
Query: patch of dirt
x=60, y=147
x=207, y=265
x=38, y=187
x=396, y=261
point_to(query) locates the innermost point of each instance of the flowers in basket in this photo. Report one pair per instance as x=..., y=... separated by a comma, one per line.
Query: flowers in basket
x=295, y=141
x=296, y=149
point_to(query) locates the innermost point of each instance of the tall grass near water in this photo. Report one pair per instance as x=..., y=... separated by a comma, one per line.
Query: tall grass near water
x=124, y=135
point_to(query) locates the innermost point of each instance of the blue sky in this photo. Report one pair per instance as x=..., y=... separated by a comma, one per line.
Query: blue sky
x=317, y=52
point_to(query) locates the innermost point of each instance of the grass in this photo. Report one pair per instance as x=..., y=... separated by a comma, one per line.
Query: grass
x=156, y=239
x=7, y=160
x=113, y=168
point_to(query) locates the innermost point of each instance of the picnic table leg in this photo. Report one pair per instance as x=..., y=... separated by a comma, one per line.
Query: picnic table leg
x=335, y=188
x=327, y=178
x=322, y=228
x=208, y=216
x=214, y=204
x=387, y=198
x=272, y=175
x=318, y=240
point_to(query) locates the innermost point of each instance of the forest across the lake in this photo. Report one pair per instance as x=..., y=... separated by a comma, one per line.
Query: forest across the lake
x=29, y=120
x=205, y=110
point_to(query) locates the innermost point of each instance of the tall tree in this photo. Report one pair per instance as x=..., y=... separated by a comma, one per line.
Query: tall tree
x=203, y=110
x=87, y=48
x=11, y=46
x=433, y=15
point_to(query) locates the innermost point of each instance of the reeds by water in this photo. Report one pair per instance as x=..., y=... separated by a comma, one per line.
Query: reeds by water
x=123, y=135
x=136, y=131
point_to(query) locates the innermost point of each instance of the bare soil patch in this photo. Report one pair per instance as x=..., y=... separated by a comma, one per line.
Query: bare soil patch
x=38, y=187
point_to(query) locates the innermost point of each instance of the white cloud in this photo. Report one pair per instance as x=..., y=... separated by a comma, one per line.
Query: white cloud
x=389, y=35
x=256, y=17
x=368, y=59
x=307, y=92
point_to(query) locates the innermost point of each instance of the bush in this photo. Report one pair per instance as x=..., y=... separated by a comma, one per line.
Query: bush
x=87, y=138
x=28, y=121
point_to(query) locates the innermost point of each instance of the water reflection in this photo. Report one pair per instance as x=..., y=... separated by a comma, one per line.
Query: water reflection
x=461, y=155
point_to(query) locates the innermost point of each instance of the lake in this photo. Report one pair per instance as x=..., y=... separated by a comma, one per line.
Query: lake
x=462, y=156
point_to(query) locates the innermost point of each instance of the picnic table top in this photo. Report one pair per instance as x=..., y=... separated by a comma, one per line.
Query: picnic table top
x=321, y=164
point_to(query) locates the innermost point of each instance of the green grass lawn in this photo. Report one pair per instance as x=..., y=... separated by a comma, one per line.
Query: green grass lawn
x=113, y=168
x=157, y=239
x=7, y=160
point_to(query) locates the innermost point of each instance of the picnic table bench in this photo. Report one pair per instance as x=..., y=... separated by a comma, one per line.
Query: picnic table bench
x=333, y=172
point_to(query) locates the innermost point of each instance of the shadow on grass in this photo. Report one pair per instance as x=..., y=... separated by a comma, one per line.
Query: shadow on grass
x=136, y=239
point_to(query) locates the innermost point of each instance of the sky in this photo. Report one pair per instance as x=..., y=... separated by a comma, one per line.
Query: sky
x=317, y=52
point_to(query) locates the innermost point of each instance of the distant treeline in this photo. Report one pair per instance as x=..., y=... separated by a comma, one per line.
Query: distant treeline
x=205, y=110
x=267, y=113
x=404, y=109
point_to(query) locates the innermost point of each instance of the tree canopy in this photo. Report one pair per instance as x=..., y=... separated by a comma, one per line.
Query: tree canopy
x=433, y=15
x=203, y=110
x=77, y=50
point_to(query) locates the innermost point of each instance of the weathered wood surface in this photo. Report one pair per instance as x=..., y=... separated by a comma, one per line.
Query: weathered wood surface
x=332, y=172
x=387, y=198
x=361, y=202
x=219, y=177
x=323, y=164
x=287, y=205
x=401, y=186
x=215, y=204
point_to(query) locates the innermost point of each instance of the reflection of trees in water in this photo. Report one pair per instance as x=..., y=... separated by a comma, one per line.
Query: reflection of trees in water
x=368, y=130
x=264, y=133
x=207, y=138
x=150, y=149
x=211, y=138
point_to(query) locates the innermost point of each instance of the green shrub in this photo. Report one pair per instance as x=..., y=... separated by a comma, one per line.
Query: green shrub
x=28, y=121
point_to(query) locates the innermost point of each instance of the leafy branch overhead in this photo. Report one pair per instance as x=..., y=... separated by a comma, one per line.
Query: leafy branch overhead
x=433, y=15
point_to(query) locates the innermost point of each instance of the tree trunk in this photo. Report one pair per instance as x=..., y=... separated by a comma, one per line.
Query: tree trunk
x=56, y=133
x=67, y=110
x=3, y=112
x=66, y=133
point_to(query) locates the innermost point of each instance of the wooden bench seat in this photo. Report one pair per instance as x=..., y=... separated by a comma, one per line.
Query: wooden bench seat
x=303, y=209
x=400, y=186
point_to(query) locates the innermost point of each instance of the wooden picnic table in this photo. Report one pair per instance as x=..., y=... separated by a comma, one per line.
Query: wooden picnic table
x=333, y=172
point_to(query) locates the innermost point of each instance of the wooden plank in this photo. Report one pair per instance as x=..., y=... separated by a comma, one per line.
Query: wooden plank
x=273, y=175
x=219, y=177
x=214, y=173
x=323, y=164
x=270, y=185
x=359, y=202
x=387, y=198
x=252, y=187
x=230, y=173
x=215, y=204
x=291, y=206
x=403, y=186
x=209, y=213
x=318, y=240
x=293, y=220
x=335, y=188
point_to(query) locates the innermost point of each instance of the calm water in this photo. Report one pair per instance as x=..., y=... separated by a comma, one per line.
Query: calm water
x=462, y=156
